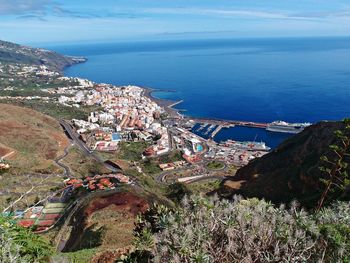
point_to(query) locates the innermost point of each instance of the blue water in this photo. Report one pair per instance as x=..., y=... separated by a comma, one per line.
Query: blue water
x=199, y=148
x=296, y=80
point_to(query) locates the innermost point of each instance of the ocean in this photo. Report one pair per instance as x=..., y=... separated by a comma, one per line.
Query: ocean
x=262, y=80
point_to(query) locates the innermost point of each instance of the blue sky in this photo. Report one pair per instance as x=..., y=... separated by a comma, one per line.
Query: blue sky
x=52, y=21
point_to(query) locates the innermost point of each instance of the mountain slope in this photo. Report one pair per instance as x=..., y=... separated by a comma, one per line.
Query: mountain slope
x=14, y=53
x=34, y=138
x=289, y=172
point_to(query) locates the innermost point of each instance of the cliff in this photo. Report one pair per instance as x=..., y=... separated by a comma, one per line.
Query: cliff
x=289, y=172
x=14, y=53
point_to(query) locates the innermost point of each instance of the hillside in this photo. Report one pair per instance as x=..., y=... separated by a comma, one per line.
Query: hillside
x=33, y=138
x=289, y=172
x=14, y=53
x=29, y=141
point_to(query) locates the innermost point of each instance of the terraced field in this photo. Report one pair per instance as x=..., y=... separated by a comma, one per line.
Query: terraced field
x=29, y=141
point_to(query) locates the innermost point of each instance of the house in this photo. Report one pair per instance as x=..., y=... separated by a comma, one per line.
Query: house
x=167, y=166
x=26, y=223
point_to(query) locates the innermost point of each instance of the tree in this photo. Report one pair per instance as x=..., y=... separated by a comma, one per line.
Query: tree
x=336, y=166
x=177, y=191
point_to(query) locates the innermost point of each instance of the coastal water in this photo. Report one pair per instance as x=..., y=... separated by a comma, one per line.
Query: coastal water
x=296, y=80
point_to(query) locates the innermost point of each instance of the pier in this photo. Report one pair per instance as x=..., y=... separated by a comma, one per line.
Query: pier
x=175, y=103
x=228, y=123
x=216, y=131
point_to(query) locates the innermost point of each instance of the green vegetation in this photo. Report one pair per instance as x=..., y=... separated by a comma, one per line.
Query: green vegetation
x=28, y=91
x=151, y=166
x=215, y=165
x=80, y=256
x=147, y=182
x=204, y=186
x=52, y=109
x=14, y=53
x=20, y=245
x=81, y=165
x=132, y=151
x=171, y=157
x=336, y=167
x=242, y=230
x=177, y=191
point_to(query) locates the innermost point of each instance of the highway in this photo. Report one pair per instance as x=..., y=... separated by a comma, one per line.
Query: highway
x=85, y=150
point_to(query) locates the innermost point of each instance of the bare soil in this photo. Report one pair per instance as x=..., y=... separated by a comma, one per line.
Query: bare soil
x=106, y=223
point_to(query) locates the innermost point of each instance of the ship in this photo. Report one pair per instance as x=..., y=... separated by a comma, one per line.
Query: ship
x=285, y=127
x=247, y=146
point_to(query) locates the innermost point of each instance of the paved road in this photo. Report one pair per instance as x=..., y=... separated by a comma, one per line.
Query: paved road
x=207, y=178
x=67, y=171
x=162, y=176
x=85, y=150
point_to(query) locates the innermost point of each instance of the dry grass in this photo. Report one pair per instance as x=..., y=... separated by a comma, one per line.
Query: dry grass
x=234, y=184
x=6, y=151
x=36, y=138
x=82, y=166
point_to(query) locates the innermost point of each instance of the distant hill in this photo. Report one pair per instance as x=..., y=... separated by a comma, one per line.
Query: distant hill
x=289, y=172
x=14, y=53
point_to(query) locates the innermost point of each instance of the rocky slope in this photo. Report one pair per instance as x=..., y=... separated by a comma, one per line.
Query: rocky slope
x=289, y=172
x=14, y=53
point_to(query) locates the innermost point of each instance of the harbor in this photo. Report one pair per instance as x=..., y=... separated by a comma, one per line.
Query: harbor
x=216, y=129
x=211, y=127
x=228, y=123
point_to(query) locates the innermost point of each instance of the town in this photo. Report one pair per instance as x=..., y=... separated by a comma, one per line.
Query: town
x=125, y=115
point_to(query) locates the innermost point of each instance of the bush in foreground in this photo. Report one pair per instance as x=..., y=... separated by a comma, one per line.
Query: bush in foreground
x=19, y=245
x=212, y=230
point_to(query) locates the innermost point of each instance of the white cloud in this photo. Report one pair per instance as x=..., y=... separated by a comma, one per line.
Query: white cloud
x=246, y=13
x=10, y=7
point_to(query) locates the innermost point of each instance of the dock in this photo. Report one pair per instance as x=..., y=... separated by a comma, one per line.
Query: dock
x=232, y=123
x=175, y=103
x=203, y=126
x=216, y=131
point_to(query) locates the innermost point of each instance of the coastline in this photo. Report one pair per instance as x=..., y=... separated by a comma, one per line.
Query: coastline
x=167, y=105
x=236, y=134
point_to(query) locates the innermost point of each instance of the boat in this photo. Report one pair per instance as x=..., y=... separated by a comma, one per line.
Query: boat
x=285, y=127
x=248, y=146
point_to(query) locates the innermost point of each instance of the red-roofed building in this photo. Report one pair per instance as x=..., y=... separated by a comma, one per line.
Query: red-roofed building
x=46, y=223
x=191, y=159
x=106, y=182
x=92, y=187
x=100, y=186
x=26, y=223
x=51, y=216
x=73, y=181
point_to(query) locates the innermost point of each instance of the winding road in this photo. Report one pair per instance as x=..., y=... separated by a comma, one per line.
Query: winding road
x=67, y=172
x=85, y=150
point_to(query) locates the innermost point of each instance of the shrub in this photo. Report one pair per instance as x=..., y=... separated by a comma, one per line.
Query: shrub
x=21, y=245
x=213, y=230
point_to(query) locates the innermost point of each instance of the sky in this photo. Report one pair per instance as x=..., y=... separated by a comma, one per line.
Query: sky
x=75, y=21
